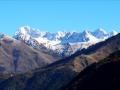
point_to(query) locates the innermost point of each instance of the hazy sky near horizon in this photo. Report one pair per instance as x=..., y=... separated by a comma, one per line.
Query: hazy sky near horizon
x=59, y=15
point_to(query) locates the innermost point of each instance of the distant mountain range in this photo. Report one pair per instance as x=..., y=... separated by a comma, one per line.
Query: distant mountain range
x=61, y=43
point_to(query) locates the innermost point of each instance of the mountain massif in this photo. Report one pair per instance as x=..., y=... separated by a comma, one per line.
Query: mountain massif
x=61, y=72
x=61, y=43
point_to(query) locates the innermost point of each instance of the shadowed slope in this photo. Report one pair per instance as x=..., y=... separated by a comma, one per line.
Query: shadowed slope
x=16, y=56
x=100, y=76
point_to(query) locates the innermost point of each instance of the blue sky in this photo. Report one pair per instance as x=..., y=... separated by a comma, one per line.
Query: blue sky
x=53, y=15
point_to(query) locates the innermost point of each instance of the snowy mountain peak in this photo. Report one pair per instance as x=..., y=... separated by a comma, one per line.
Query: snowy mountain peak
x=86, y=32
x=113, y=33
x=27, y=32
x=24, y=30
x=88, y=37
x=101, y=30
x=101, y=34
x=60, y=34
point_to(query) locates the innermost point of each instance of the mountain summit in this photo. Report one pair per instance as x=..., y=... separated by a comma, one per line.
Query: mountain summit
x=100, y=33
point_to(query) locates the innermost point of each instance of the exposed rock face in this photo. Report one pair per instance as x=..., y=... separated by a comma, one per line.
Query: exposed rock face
x=17, y=57
x=100, y=76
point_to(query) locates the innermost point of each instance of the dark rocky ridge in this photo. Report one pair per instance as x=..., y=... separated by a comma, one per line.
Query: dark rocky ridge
x=104, y=75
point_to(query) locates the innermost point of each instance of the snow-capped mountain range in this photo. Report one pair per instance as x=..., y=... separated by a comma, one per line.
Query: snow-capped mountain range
x=63, y=43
